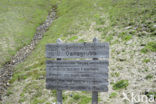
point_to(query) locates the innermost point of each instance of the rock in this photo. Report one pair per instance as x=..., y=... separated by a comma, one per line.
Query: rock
x=7, y=84
x=129, y=42
x=122, y=59
x=128, y=27
x=142, y=44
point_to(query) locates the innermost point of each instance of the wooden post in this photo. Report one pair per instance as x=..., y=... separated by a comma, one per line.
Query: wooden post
x=95, y=93
x=94, y=97
x=59, y=92
x=59, y=96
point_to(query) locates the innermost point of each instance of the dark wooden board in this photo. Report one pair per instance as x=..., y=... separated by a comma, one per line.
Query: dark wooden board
x=86, y=75
x=102, y=88
x=77, y=50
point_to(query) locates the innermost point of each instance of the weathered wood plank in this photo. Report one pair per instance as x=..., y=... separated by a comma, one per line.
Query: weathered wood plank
x=53, y=78
x=77, y=63
x=86, y=84
x=78, y=69
x=77, y=75
x=77, y=84
x=71, y=81
x=78, y=88
x=77, y=50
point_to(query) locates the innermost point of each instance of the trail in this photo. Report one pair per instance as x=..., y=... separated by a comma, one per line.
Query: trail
x=6, y=71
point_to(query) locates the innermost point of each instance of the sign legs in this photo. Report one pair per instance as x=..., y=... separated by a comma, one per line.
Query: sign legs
x=59, y=92
x=59, y=96
x=94, y=97
x=95, y=93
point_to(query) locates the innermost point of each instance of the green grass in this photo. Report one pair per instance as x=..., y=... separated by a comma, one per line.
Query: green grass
x=131, y=13
x=115, y=74
x=113, y=95
x=149, y=76
x=73, y=38
x=150, y=47
x=76, y=97
x=146, y=60
x=81, y=99
x=18, y=22
x=120, y=84
x=152, y=93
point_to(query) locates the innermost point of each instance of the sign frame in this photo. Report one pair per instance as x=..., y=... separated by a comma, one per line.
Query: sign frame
x=77, y=68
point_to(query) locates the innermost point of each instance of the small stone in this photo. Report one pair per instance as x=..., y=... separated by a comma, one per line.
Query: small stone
x=122, y=59
x=7, y=84
x=143, y=44
x=128, y=27
x=129, y=42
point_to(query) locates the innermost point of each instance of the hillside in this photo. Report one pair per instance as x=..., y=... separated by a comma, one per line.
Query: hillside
x=18, y=23
x=128, y=25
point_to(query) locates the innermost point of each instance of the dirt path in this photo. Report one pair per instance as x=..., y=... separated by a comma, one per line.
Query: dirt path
x=7, y=71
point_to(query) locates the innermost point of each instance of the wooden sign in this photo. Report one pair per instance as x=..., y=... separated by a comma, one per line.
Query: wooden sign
x=77, y=50
x=83, y=75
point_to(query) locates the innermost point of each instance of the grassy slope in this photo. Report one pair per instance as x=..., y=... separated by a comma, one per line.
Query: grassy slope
x=18, y=21
x=127, y=25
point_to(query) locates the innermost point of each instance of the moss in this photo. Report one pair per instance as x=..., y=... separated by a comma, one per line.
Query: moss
x=76, y=97
x=146, y=60
x=73, y=38
x=48, y=103
x=53, y=92
x=81, y=40
x=116, y=74
x=22, y=94
x=125, y=36
x=21, y=100
x=151, y=93
x=9, y=93
x=113, y=95
x=144, y=50
x=149, y=76
x=37, y=101
x=84, y=100
x=17, y=76
x=151, y=46
x=65, y=97
x=79, y=98
x=120, y=84
x=109, y=38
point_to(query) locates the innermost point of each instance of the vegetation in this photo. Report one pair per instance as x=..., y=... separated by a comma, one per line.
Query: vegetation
x=146, y=60
x=113, y=95
x=120, y=84
x=125, y=24
x=18, y=22
x=116, y=74
x=149, y=76
x=151, y=46
x=152, y=94
x=81, y=99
